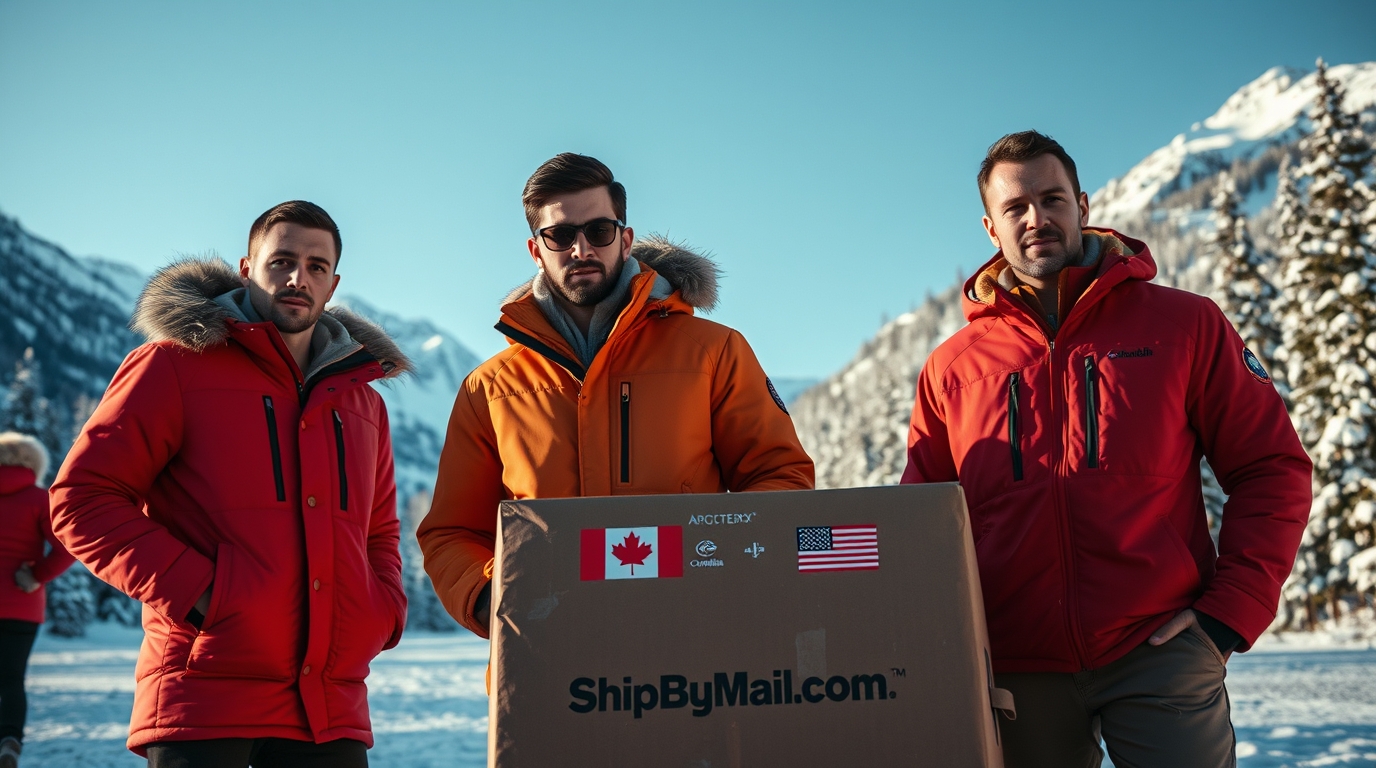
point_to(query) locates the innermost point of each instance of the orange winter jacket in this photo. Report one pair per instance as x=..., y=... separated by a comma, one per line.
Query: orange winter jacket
x=671, y=404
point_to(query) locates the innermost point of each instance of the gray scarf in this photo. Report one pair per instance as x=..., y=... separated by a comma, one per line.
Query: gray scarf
x=603, y=317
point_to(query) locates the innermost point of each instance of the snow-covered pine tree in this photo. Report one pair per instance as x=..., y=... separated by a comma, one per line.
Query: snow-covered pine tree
x=1329, y=345
x=1242, y=275
x=113, y=605
x=26, y=410
x=423, y=609
x=71, y=604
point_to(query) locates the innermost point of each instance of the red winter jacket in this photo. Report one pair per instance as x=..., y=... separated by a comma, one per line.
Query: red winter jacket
x=212, y=456
x=24, y=526
x=1080, y=464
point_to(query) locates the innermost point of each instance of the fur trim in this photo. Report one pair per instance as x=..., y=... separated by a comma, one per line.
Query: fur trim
x=374, y=339
x=20, y=450
x=178, y=304
x=694, y=275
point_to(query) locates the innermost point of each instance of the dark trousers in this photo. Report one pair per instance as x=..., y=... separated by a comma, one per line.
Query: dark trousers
x=259, y=753
x=16, y=641
x=1157, y=707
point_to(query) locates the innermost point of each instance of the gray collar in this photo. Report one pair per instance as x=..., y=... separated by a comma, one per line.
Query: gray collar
x=330, y=341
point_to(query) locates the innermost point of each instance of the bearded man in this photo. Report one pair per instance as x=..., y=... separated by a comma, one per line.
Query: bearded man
x=610, y=386
x=237, y=480
x=1074, y=409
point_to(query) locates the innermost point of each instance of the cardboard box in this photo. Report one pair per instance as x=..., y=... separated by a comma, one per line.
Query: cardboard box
x=800, y=628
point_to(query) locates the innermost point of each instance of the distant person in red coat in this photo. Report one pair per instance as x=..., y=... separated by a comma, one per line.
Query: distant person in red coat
x=26, y=526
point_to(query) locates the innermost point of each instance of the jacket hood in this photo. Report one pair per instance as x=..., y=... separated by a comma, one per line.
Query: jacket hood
x=693, y=275
x=1122, y=258
x=20, y=450
x=179, y=305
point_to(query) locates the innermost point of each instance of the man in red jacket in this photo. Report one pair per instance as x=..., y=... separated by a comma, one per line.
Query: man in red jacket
x=237, y=480
x=1074, y=409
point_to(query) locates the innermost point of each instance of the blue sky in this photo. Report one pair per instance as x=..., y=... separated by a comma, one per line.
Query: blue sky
x=825, y=153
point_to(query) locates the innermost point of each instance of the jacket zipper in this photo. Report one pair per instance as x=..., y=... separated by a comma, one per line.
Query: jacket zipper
x=339, y=451
x=625, y=431
x=1014, y=436
x=1059, y=458
x=271, y=414
x=1091, y=413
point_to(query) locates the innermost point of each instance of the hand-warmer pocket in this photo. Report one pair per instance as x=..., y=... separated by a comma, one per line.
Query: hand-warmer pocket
x=251, y=627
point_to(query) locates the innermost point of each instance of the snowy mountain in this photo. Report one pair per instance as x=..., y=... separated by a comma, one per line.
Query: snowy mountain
x=418, y=406
x=855, y=423
x=1245, y=133
x=74, y=313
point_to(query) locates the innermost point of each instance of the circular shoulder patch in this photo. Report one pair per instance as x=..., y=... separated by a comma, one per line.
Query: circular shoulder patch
x=774, y=393
x=1254, y=366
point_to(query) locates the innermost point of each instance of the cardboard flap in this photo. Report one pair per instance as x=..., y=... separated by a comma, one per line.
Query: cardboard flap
x=1002, y=700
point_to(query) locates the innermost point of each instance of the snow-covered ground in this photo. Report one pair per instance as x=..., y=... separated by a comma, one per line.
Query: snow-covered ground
x=1303, y=700
x=429, y=704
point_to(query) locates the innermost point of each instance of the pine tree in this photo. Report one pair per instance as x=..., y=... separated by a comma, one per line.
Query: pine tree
x=1241, y=272
x=113, y=605
x=1329, y=345
x=71, y=604
x=424, y=610
x=26, y=410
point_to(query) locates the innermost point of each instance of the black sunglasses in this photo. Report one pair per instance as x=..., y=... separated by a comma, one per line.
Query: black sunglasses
x=600, y=233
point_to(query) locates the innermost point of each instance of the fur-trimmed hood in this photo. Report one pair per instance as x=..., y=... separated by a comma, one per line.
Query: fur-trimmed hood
x=20, y=450
x=179, y=304
x=692, y=274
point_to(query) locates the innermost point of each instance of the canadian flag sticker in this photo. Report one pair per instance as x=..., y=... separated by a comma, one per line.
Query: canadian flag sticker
x=631, y=553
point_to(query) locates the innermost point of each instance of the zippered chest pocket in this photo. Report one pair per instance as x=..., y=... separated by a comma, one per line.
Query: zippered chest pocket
x=1091, y=412
x=1128, y=402
x=1015, y=423
x=274, y=448
x=625, y=402
x=343, y=462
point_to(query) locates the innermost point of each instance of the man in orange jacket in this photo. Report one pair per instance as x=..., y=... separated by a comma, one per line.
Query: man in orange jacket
x=610, y=386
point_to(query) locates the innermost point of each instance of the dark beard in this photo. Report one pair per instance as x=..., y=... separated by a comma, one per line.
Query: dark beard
x=592, y=295
x=286, y=323
x=1072, y=252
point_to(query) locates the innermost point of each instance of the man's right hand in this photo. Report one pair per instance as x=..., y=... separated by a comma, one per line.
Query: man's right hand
x=25, y=579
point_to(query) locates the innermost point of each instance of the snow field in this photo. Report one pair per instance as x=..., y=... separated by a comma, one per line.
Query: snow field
x=1298, y=700
x=428, y=700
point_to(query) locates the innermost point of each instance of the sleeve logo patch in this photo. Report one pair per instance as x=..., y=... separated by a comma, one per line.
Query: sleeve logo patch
x=1254, y=366
x=774, y=393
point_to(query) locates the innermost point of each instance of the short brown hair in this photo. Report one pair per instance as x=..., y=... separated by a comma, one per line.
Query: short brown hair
x=1019, y=148
x=567, y=172
x=294, y=212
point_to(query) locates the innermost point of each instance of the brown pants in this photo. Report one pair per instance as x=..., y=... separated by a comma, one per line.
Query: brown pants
x=1157, y=706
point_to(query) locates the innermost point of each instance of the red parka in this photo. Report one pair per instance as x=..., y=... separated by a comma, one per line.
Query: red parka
x=1079, y=456
x=211, y=456
x=24, y=527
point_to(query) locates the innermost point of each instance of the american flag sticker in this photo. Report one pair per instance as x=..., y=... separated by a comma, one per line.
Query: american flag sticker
x=838, y=548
